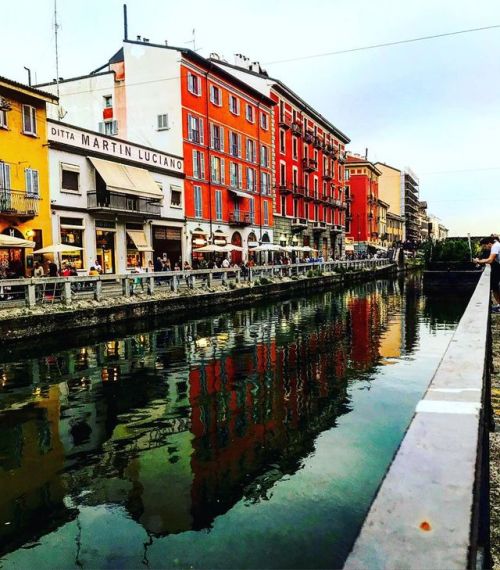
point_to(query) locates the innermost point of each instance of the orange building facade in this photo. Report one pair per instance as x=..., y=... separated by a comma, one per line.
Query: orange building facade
x=227, y=142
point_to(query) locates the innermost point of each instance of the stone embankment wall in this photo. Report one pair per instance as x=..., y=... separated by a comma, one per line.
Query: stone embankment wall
x=23, y=323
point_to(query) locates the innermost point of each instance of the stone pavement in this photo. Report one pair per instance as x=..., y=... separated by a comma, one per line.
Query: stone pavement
x=495, y=445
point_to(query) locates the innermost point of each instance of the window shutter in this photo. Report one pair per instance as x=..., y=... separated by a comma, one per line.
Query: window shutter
x=101, y=127
x=222, y=171
x=27, y=176
x=114, y=127
x=2, y=176
x=212, y=135
x=201, y=131
x=221, y=130
x=202, y=165
x=195, y=165
x=239, y=146
x=34, y=182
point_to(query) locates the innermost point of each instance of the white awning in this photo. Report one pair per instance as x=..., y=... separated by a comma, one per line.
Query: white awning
x=199, y=241
x=253, y=243
x=11, y=241
x=139, y=239
x=239, y=193
x=127, y=179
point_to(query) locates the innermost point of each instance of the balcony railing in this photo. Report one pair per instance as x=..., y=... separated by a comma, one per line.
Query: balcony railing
x=300, y=190
x=309, y=164
x=317, y=142
x=297, y=129
x=238, y=218
x=116, y=202
x=19, y=204
x=308, y=136
x=327, y=174
x=284, y=122
x=342, y=156
x=285, y=189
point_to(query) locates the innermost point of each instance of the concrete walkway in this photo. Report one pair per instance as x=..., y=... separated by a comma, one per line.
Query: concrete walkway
x=495, y=445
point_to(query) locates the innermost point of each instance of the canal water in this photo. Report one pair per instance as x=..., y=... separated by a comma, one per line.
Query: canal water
x=256, y=438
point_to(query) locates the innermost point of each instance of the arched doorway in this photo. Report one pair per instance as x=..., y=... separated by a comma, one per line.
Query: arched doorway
x=265, y=238
x=12, y=259
x=236, y=256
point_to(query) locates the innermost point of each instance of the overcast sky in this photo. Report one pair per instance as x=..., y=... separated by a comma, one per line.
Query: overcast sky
x=432, y=105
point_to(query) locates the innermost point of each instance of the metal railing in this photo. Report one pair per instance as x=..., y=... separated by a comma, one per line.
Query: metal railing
x=18, y=203
x=116, y=202
x=33, y=292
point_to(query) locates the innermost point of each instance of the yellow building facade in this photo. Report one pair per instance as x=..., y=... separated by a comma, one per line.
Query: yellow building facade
x=24, y=174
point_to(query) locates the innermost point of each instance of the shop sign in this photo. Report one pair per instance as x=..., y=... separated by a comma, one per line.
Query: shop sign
x=95, y=143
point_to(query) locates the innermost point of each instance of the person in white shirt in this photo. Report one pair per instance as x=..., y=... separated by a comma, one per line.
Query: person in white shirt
x=493, y=245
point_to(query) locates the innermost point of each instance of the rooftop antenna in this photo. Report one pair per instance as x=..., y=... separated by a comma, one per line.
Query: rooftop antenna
x=56, y=28
x=193, y=41
x=125, y=23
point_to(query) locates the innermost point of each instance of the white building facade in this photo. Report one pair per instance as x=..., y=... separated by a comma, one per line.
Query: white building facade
x=122, y=203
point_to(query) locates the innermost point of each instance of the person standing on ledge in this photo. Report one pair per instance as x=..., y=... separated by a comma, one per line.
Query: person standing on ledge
x=492, y=245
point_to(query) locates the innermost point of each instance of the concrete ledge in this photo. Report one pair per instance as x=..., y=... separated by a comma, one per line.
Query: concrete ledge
x=424, y=513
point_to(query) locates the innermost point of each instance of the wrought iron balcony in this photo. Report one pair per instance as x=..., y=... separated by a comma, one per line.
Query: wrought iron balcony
x=126, y=203
x=308, y=136
x=18, y=204
x=284, y=122
x=341, y=156
x=317, y=142
x=297, y=129
x=300, y=190
x=285, y=189
x=238, y=218
x=336, y=228
x=327, y=174
x=309, y=164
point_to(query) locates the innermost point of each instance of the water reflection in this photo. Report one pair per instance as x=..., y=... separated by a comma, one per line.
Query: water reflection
x=179, y=424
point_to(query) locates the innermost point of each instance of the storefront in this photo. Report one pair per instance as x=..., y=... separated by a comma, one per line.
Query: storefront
x=167, y=240
x=105, y=246
x=14, y=262
x=71, y=232
x=138, y=247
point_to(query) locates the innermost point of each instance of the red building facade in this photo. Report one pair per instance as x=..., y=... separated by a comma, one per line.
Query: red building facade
x=362, y=201
x=309, y=176
x=227, y=142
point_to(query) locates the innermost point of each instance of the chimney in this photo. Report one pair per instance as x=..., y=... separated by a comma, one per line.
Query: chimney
x=138, y=38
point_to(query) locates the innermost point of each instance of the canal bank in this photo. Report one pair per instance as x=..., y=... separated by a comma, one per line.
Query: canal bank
x=29, y=322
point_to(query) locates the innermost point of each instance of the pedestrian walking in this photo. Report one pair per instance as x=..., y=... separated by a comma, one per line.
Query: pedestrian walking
x=492, y=245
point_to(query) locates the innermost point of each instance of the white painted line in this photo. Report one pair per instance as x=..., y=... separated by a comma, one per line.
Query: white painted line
x=447, y=407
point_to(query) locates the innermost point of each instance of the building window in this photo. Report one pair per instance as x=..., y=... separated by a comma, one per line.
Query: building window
x=217, y=138
x=251, y=179
x=265, y=183
x=235, y=144
x=266, y=213
x=108, y=101
x=249, y=113
x=215, y=95
x=235, y=175
x=264, y=156
x=218, y=204
x=3, y=118
x=163, y=122
x=31, y=178
x=175, y=196
x=250, y=150
x=70, y=178
x=294, y=148
x=4, y=176
x=108, y=128
x=305, y=124
x=295, y=177
x=195, y=129
x=283, y=205
x=282, y=141
x=347, y=174
x=264, y=121
x=294, y=115
x=251, y=210
x=283, y=174
x=198, y=164
x=194, y=84
x=217, y=170
x=234, y=105
x=197, y=202
x=29, y=120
